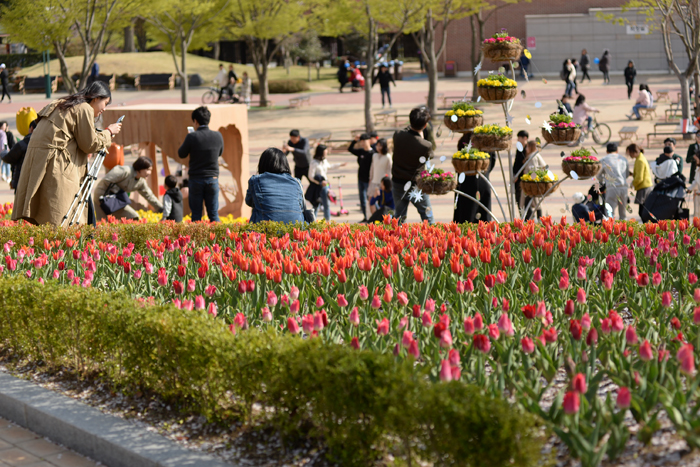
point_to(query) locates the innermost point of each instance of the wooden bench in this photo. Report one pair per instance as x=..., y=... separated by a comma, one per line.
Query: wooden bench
x=663, y=94
x=439, y=96
x=648, y=112
x=37, y=84
x=296, y=102
x=629, y=132
x=155, y=80
x=382, y=118
x=380, y=131
x=674, y=111
x=110, y=80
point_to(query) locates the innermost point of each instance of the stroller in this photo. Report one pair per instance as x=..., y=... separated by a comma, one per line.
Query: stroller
x=666, y=201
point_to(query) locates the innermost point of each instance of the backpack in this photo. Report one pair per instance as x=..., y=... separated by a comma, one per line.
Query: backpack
x=563, y=74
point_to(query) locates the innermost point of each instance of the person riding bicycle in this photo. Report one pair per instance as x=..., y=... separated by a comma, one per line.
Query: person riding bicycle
x=222, y=80
x=582, y=112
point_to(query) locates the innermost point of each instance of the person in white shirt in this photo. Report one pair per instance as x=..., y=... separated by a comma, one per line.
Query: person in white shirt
x=664, y=166
x=380, y=168
x=222, y=80
x=583, y=111
x=614, y=173
x=318, y=176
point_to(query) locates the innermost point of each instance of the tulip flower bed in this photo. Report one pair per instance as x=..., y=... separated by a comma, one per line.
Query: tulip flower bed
x=510, y=308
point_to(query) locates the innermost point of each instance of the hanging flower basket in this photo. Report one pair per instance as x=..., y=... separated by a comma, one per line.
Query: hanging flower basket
x=471, y=162
x=463, y=123
x=563, y=130
x=488, y=138
x=497, y=87
x=502, y=47
x=533, y=189
x=582, y=162
x=437, y=182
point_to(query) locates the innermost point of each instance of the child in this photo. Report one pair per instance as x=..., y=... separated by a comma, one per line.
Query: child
x=695, y=189
x=382, y=201
x=172, y=201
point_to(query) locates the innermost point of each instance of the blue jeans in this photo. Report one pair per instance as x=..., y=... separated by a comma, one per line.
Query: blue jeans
x=204, y=191
x=362, y=188
x=636, y=108
x=386, y=91
x=401, y=201
x=326, y=204
x=6, y=170
x=569, y=88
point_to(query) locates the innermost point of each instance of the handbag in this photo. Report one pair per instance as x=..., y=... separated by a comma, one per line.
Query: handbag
x=113, y=202
x=308, y=214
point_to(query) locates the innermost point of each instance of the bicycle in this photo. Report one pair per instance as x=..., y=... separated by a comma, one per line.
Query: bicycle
x=599, y=131
x=211, y=96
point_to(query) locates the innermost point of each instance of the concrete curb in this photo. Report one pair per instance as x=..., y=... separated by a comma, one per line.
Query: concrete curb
x=86, y=430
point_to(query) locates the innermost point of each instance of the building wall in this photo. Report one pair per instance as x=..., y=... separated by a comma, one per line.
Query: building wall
x=523, y=19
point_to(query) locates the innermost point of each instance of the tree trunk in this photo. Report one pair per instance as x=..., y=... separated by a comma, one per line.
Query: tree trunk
x=184, y=85
x=318, y=71
x=67, y=80
x=129, y=45
x=474, y=54
x=258, y=49
x=685, y=97
x=141, y=34
x=308, y=67
x=371, y=51
x=216, y=50
x=696, y=87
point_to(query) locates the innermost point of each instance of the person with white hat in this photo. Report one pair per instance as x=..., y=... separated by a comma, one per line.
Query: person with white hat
x=3, y=81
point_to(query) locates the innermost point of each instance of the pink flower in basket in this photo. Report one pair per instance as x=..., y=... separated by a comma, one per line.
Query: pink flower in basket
x=501, y=39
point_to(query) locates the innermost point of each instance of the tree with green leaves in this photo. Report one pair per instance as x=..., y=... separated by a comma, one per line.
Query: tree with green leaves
x=309, y=49
x=266, y=25
x=53, y=24
x=439, y=15
x=680, y=19
x=181, y=25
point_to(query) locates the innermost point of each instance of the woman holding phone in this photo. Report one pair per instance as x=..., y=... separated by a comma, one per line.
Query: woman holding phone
x=57, y=155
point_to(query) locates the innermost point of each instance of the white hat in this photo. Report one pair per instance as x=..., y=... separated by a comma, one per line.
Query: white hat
x=2, y=65
x=579, y=198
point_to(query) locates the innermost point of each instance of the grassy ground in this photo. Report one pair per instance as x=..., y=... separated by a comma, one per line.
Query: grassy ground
x=162, y=62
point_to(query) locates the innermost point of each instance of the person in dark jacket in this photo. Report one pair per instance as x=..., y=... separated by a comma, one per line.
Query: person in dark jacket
x=364, y=159
x=273, y=193
x=467, y=210
x=299, y=147
x=411, y=151
x=343, y=74
x=382, y=202
x=518, y=163
x=15, y=157
x=693, y=151
x=585, y=64
x=604, y=66
x=385, y=79
x=172, y=200
x=630, y=73
x=204, y=146
x=565, y=107
x=5, y=85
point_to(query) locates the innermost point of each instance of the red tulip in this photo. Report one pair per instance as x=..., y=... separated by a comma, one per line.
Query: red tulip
x=529, y=311
x=696, y=295
x=606, y=325
x=527, y=344
x=581, y=296
x=482, y=343
x=569, y=308
x=575, y=329
x=692, y=278
x=578, y=384
x=696, y=315
x=537, y=275
x=178, y=287
x=645, y=351
x=469, y=325
x=666, y=299
x=242, y=287
x=527, y=256
x=676, y=323
x=550, y=335
x=687, y=359
x=418, y=274
x=454, y=357
x=592, y=337
x=533, y=288
x=656, y=279
x=402, y=298
x=342, y=302
x=505, y=325
x=383, y=327
x=355, y=343
x=624, y=398
x=446, y=339
x=445, y=371
x=571, y=402
x=631, y=335
x=413, y=349
x=643, y=279
x=489, y=281
x=478, y=322
x=616, y=321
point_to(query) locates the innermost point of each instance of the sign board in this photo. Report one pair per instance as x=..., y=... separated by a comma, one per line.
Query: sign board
x=637, y=29
x=531, y=43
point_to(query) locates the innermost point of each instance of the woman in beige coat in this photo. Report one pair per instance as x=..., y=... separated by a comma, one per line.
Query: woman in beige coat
x=57, y=156
x=128, y=178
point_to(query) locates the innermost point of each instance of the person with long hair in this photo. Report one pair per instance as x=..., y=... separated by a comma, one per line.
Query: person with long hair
x=57, y=155
x=273, y=193
x=585, y=63
x=318, y=176
x=630, y=73
x=604, y=66
x=583, y=111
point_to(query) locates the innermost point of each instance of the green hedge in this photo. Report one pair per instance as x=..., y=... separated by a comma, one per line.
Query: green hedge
x=282, y=86
x=360, y=403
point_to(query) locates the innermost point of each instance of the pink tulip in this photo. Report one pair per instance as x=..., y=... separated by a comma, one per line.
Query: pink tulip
x=579, y=383
x=294, y=307
x=624, y=398
x=56, y=273
x=541, y=310
x=468, y=285
x=318, y=321
x=501, y=277
x=607, y=279
x=656, y=279
x=427, y=319
x=581, y=273
x=413, y=349
x=460, y=287
x=645, y=351
x=469, y=325
x=376, y=302
x=453, y=357
x=571, y=402
x=364, y=293
x=564, y=283
x=592, y=337
x=319, y=302
x=616, y=321
x=266, y=314
x=446, y=339
x=188, y=305
x=354, y=317
x=307, y=324
x=586, y=321
x=402, y=298
x=533, y=288
x=696, y=315
x=293, y=326
x=199, y=302
x=505, y=325
x=403, y=322
x=177, y=303
x=430, y=305
x=692, y=278
x=383, y=327
x=210, y=290
x=537, y=275
x=606, y=325
x=494, y=333
x=191, y=285
x=342, y=302
x=569, y=308
x=696, y=295
x=687, y=359
x=271, y=298
x=666, y=299
x=212, y=309
x=294, y=293
x=527, y=344
x=478, y=322
x=407, y=339
x=581, y=296
x=631, y=335
x=445, y=371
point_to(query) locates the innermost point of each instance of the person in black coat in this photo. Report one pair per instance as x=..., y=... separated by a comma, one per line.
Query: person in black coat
x=343, y=74
x=15, y=157
x=466, y=209
x=518, y=163
x=384, y=78
x=630, y=73
x=5, y=85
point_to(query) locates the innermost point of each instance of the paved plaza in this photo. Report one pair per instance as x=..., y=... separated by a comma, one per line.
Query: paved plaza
x=341, y=113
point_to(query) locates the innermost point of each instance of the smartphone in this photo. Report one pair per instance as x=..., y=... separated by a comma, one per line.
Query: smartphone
x=190, y=129
x=121, y=119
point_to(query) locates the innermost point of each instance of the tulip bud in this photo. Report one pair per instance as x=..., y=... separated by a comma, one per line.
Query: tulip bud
x=581, y=296
x=533, y=288
x=624, y=398
x=571, y=402
x=445, y=371
x=645, y=351
x=469, y=325
x=319, y=302
x=364, y=293
x=569, y=308
x=537, y=275
x=342, y=302
x=413, y=349
x=579, y=383
x=354, y=317
x=527, y=344
x=292, y=325
x=266, y=314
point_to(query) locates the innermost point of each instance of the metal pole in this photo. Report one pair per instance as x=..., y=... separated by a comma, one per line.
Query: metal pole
x=505, y=186
x=494, y=192
x=479, y=203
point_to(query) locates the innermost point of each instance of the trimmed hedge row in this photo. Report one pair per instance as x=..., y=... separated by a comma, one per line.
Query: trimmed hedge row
x=282, y=86
x=360, y=403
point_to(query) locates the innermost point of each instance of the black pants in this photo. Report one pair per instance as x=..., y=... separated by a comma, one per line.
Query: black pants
x=630, y=85
x=606, y=76
x=5, y=92
x=585, y=75
x=301, y=172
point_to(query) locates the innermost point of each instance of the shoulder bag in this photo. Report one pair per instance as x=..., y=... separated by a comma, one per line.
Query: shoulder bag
x=113, y=202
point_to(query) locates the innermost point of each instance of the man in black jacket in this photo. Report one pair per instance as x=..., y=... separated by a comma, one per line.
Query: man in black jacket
x=15, y=157
x=384, y=78
x=204, y=147
x=299, y=147
x=411, y=151
x=5, y=85
x=364, y=159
